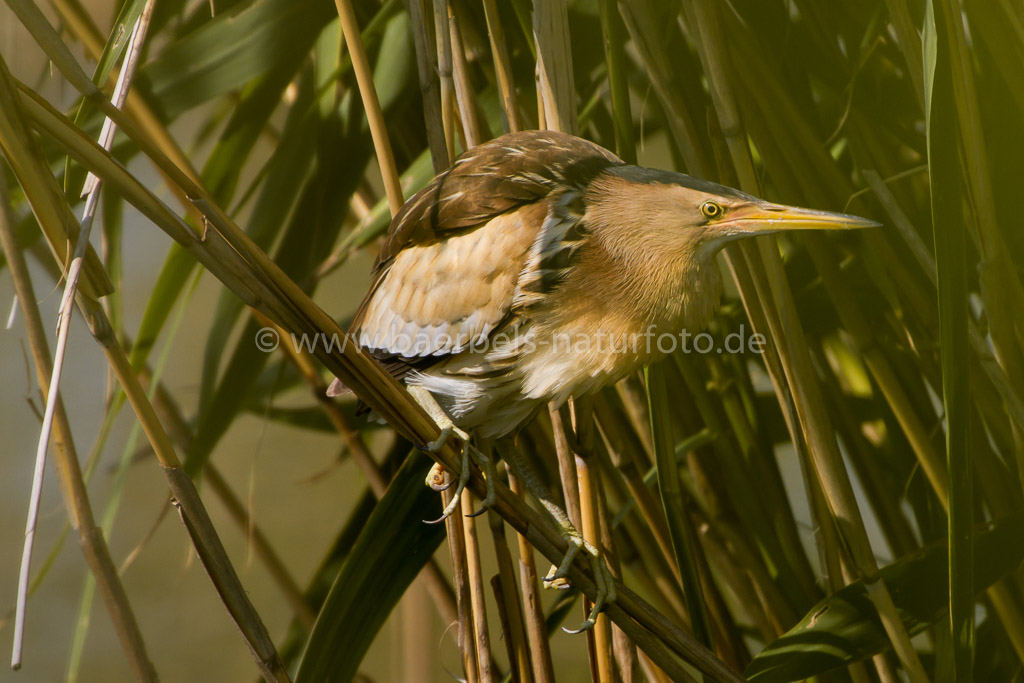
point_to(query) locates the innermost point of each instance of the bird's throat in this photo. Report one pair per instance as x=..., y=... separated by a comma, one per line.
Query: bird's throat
x=617, y=312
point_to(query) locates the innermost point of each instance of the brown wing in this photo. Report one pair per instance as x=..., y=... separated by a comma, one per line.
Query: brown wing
x=447, y=270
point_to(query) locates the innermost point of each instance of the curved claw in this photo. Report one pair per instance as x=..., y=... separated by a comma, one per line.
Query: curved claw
x=438, y=478
x=587, y=624
x=463, y=480
x=486, y=464
x=602, y=577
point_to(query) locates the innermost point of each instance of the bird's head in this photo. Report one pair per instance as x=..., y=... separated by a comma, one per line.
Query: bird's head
x=675, y=216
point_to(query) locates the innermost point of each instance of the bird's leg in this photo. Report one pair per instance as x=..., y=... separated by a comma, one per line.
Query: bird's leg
x=440, y=418
x=486, y=463
x=447, y=427
x=602, y=574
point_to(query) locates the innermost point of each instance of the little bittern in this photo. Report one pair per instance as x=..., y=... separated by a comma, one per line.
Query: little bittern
x=539, y=267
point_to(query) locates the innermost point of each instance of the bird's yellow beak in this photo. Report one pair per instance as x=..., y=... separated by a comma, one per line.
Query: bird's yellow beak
x=764, y=217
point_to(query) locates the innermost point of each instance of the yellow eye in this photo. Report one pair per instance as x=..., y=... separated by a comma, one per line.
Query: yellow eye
x=711, y=209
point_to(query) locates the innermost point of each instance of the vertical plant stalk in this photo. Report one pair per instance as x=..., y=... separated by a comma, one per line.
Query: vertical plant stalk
x=457, y=549
x=757, y=84
x=374, y=114
x=516, y=672
x=828, y=464
x=993, y=370
x=426, y=70
x=642, y=25
x=474, y=666
x=878, y=364
x=76, y=498
x=615, y=57
x=445, y=72
x=590, y=520
x=555, y=87
x=508, y=602
x=471, y=126
x=623, y=450
x=1001, y=287
x=793, y=574
x=91, y=190
x=632, y=392
x=481, y=636
x=419, y=654
x=561, y=426
x=588, y=482
x=536, y=627
x=502, y=68
x=566, y=446
x=623, y=648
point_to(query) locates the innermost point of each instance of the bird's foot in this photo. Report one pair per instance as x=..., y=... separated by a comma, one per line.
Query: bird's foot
x=556, y=577
x=438, y=479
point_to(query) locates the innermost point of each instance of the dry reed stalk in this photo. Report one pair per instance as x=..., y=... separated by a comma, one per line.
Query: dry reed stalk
x=474, y=575
x=623, y=447
x=445, y=74
x=623, y=648
x=511, y=608
x=556, y=91
x=426, y=69
x=460, y=578
x=371, y=104
x=69, y=474
x=502, y=69
x=468, y=114
x=64, y=316
x=564, y=450
x=590, y=527
x=418, y=653
x=536, y=627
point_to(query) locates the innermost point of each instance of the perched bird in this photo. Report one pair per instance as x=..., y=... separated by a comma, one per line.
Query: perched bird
x=540, y=267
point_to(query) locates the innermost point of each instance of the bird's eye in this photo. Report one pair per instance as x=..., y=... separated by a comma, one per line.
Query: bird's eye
x=711, y=209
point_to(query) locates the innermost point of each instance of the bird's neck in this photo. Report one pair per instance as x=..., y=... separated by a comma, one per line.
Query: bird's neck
x=639, y=291
x=672, y=294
